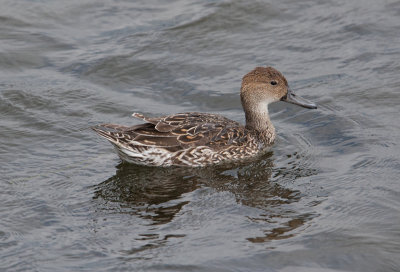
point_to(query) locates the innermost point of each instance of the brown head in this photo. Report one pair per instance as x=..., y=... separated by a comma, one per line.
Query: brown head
x=262, y=86
x=266, y=85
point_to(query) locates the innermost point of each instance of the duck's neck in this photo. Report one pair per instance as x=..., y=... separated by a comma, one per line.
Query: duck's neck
x=257, y=120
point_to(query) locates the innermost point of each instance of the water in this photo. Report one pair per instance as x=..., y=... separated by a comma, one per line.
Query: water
x=326, y=198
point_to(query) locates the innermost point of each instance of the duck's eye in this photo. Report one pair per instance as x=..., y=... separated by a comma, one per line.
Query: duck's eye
x=273, y=82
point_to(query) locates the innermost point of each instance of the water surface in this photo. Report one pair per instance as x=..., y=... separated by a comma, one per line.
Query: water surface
x=326, y=198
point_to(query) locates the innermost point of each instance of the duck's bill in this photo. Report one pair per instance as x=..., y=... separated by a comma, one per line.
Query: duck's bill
x=293, y=98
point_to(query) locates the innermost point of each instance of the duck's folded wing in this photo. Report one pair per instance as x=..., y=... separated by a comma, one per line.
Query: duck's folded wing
x=175, y=132
x=139, y=135
x=185, y=120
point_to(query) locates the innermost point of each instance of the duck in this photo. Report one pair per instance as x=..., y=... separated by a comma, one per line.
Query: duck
x=195, y=139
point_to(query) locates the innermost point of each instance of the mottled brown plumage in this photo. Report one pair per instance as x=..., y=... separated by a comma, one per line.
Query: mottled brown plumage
x=200, y=139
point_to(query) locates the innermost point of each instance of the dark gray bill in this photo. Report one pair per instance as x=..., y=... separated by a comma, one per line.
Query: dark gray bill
x=291, y=97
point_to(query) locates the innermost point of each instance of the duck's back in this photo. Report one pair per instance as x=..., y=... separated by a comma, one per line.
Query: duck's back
x=192, y=139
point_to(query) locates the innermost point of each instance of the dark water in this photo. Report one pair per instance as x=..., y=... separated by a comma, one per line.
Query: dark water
x=326, y=198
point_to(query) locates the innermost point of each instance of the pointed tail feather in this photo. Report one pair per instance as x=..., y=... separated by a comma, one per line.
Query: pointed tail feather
x=103, y=132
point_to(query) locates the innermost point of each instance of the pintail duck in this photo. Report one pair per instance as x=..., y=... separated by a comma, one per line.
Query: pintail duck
x=201, y=139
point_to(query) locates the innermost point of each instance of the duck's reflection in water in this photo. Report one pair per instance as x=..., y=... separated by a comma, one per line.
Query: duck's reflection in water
x=156, y=194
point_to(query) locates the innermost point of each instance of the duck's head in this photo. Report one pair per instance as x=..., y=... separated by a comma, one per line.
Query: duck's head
x=265, y=85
